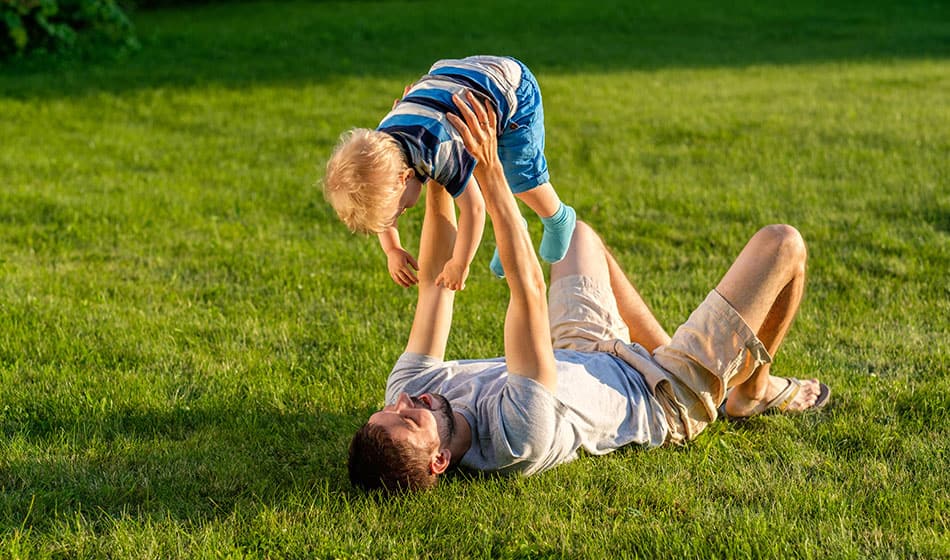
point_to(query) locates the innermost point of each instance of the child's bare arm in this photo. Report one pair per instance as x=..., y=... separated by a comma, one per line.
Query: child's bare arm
x=399, y=262
x=471, y=225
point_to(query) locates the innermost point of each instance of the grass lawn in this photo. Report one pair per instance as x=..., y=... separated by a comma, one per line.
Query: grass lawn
x=189, y=336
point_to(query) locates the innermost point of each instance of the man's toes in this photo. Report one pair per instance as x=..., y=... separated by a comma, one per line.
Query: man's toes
x=810, y=393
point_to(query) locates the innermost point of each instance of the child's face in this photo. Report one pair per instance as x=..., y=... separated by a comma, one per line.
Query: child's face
x=412, y=188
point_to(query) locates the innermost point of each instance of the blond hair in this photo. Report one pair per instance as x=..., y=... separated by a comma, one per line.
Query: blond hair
x=363, y=181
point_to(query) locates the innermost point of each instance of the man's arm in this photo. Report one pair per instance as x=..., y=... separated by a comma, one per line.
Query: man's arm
x=528, y=349
x=433, y=317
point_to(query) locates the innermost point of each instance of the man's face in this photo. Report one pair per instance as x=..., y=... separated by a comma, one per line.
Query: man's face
x=426, y=421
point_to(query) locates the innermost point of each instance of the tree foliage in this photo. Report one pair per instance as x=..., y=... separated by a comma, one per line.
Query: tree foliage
x=27, y=25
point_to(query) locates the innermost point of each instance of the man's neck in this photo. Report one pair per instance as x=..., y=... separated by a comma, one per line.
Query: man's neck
x=462, y=440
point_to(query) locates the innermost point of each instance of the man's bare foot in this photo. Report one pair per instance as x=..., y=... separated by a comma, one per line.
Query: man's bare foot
x=782, y=395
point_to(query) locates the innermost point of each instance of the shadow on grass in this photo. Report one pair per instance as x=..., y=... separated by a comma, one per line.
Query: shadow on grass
x=188, y=465
x=247, y=44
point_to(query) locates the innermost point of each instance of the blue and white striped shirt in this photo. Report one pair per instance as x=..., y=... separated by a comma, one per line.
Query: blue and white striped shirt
x=432, y=145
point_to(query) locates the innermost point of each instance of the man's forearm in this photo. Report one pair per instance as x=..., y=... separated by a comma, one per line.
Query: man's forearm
x=439, y=230
x=522, y=269
x=528, y=349
x=433, y=316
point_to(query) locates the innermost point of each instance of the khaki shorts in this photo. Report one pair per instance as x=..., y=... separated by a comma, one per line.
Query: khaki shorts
x=689, y=376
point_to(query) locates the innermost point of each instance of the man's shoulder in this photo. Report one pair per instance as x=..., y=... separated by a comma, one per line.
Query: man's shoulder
x=410, y=368
x=518, y=429
x=412, y=364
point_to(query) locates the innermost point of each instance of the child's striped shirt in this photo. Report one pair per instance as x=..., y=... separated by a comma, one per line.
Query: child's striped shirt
x=433, y=147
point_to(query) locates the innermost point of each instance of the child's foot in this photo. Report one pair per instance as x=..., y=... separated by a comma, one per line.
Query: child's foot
x=558, y=230
x=495, y=265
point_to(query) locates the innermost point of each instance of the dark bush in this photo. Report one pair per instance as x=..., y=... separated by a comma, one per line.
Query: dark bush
x=56, y=24
x=159, y=4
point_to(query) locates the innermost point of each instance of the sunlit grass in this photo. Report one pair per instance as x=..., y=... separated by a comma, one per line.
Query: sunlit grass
x=189, y=336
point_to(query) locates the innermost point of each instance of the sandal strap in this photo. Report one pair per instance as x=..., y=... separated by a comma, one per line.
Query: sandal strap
x=786, y=396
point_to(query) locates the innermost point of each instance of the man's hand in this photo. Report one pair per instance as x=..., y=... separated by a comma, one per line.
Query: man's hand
x=402, y=267
x=453, y=275
x=528, y=350
x=405, y=92
x=480, y=140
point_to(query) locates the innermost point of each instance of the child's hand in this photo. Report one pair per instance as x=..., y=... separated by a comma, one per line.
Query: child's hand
x=453, y=275
x=401, y=265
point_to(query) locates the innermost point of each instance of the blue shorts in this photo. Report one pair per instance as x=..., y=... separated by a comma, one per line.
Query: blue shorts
x=521, y=145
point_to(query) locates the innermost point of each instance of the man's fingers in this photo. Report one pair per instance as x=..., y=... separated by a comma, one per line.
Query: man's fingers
x=478, y=109
x=463, y=129
x=413, y=262
x=492, y=117
x=466, y=110
x=458, y=123
x=478, y=116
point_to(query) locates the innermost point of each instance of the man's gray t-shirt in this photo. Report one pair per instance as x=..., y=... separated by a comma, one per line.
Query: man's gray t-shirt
x=518, y=426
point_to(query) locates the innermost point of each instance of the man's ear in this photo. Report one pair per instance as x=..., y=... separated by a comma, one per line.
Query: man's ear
x=440, y=461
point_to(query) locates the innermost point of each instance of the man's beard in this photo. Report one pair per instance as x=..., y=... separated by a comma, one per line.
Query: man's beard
x=445, y=413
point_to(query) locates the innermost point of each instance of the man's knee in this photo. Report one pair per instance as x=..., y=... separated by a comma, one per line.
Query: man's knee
x=785, y=243
x=585, y=246
x=583, y=233
x=582, y=239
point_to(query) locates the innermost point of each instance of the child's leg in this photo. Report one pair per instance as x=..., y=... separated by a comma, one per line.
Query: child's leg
x=557, y=217
x=521, y=150
x=542, y=199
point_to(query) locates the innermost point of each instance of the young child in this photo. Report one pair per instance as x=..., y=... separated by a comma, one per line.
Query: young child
x=374, y=175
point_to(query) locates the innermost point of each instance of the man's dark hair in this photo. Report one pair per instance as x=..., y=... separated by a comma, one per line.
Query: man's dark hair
x=376, y=462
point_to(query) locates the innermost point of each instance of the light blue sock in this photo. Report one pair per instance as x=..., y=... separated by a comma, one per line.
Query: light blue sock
x=495, y=264
x=558, y=230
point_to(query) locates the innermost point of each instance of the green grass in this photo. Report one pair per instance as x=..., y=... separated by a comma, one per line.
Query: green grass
x=189, y=337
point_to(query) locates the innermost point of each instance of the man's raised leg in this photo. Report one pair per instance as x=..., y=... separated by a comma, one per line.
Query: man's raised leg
x=645, y=330
x=765, y=286
x=588, y=256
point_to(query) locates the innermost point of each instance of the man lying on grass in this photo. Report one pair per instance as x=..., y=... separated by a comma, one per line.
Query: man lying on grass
x=611, y=377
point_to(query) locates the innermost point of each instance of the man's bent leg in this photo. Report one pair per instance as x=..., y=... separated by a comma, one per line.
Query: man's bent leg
x=588, y=256
x=644, y=328
x=581, y=303
x=771, y=265
x=765, y=286
x=584, y=257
